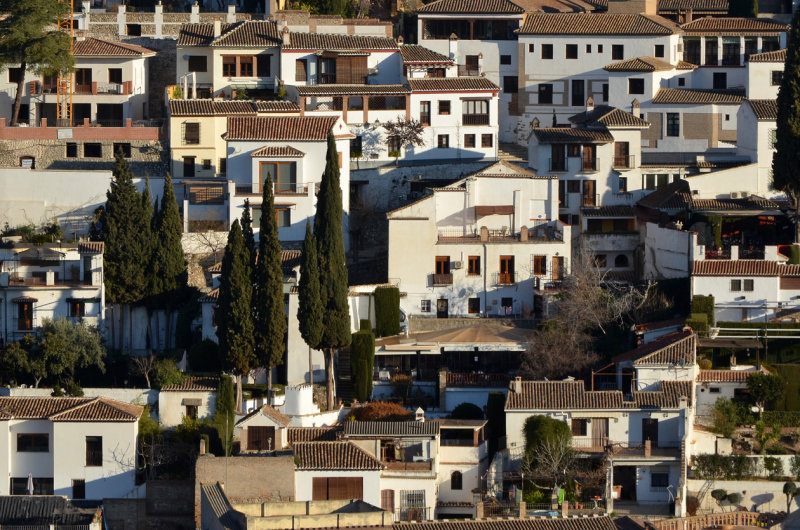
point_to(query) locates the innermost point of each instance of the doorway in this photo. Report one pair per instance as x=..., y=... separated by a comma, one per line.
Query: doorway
x=625, y=476
x=441, y=308
x=650, y=431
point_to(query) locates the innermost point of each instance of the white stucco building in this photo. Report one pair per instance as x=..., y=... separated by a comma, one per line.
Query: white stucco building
x=194, y=397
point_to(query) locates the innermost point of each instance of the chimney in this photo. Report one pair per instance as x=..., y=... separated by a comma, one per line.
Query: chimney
x=535, y=123
x=217, y=28
x=285, y=36
x=420, y=415
x=689, y=15
x=589, y=104
x=400, y=40
x=518, y=385
x=635, y=107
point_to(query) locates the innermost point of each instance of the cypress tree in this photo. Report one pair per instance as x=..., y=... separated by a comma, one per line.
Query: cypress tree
x=332, y=268
x=234, y=317
x=150, y=217
x=169, y=264
x=224, y=414
x=309, y=310
x=786, y=161
x=247, y=231
x=268, y=308
x=362, y=363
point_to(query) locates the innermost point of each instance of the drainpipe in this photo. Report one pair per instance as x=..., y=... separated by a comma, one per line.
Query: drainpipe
x=484, y=273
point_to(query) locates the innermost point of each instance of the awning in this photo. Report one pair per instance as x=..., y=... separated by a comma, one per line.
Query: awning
x=84, y=300
x=494, y=210
x=409, y=349
x=24, y=300
x=192, y=402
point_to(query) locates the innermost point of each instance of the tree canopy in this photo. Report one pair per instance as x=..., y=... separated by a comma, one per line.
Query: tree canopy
x=764, y=389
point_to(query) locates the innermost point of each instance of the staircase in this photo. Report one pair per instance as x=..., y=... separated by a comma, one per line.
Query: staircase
x=512, y=153
x=344, y=380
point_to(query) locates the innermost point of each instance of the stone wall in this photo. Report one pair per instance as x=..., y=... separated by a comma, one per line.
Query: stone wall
x=421, y=325
x=169, y=505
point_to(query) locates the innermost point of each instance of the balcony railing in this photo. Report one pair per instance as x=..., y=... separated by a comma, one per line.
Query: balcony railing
x=441, y=279
x=589, y=165
x=558, y=164
x=109, y=88
x=505, y=278
x=475, y=119
x=290, y=189
x=590, y=445
x=466, y=70
x=327, y=79
x=721, y=253
x=751, y=253
x=590, y=200
x=624, y=162
x=410, y=466
x=28, y=281
x=544, y=283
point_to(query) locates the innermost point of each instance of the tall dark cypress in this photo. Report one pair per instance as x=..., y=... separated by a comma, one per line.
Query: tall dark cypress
x=268, y=308
x=786, y=161
x=332, y=267
x=247, y=230
x=169, y=264
x=234, y=317
x=310, y=311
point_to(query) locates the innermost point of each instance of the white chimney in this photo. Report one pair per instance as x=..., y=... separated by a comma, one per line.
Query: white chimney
x=217, y=28
x=420, y=415
x=518, y=385
x=589, y=104
x=285, y=36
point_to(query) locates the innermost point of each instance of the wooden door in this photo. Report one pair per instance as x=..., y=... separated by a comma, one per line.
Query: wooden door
x=589, y=198
x=621, y=154
x=337, y=488
x=588, y=158
x=25, y=316
x=650, y=431
x=558, y=268
x=260, y=438
x=506, y=269
x=599, y=431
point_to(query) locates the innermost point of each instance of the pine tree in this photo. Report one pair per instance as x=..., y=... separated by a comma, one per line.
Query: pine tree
x=169, y=264
x=234, y=317
x=30, y=40
x=247, y=230
x=786, y=161
x=268, y=308
x=332, y=267
x=309, y=311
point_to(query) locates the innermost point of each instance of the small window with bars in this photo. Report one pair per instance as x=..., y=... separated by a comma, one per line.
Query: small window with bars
x=191, y=133
x=425, y=306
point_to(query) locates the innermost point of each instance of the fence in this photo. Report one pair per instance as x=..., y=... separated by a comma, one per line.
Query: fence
x=707, y=521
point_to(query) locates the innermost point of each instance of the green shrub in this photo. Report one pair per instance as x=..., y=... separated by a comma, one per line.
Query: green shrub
x=704, y=304
x=467, y=411
x=773, y=467
x=167, y=373
x=387, y=311
x=795, y=466
x=728, y=414
x=364, y=324
x=538, y=429
x=794, y=255
x=699, y=323
x=204, y=356
x=721, y=467
x=362, y=363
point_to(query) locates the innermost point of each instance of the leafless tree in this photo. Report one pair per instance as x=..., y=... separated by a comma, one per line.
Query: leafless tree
x=406, y=132
x=551, y=461
x=144, y=366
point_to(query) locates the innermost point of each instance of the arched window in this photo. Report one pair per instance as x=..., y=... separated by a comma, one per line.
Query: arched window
x=455, y=480
x=621, y=260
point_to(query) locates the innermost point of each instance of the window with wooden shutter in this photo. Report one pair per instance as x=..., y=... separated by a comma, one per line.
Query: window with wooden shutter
x=191, y=133
x=337, y=488
x=301, y=70
x=387, y=500
x=319, y=489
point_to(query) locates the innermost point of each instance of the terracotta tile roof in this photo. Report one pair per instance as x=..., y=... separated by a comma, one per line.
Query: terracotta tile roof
x=316, y=41
x=683, y=96
x=216, y=268
x=97, y=409
x=91, y=47
x=503, y=168
x=684, y=65
x=340, y=455
x=286, y=151
x=337, y=90
x=270, y=412
x=752, y=202
x=534, y=523
x=91, y=247
x=451, y=84
x=694, y=5
x=391, y=428
x=290, y=258
x=726, y=376
x=313, y=434
x=743, y=267
x=674, y=196
x=596, y=24
x=24, y=299
x=603, y=116
x=413, y=53
x=733, y=26
x=277, y=106
x=209, y=107
x=608, y=211
x=193, y=384
x=668, y=349
x=280, y=128
x=764, y=109
x=249, y=33
x=572, y=395
x=778, y=56
x=210, y=297
x=640, y=64
x=553, y=135
x=659, y=324
x=462, y=7
x=215, y=497
x=199, y=34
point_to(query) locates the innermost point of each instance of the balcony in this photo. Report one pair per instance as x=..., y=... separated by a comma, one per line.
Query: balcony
x=505, y=278
x=590, y=164
x=475, y=119
x=291, y=188
x=28, y=281
x=468, y=71
x=557, y=164
x=624, y=162
x=437, y=280
x=718, y=253
x=409, y=466
x=589, y=199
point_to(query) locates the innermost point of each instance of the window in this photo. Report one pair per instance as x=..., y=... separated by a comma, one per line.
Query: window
x=24, y=113
x=206, y=164
x=731, y=51
x=190, y=411
x=301, y=70
x=245, y=66
x=578, y=94
x=635, y=86
x=622, y=186
x=92, y=150
x=621, y=260
x=356, y=145
x=510, y=84
x=605, y=92
x=387, y=500
x=681, y=81
x=750, y=47
x=263, y=65
x=443, y=141
x=659, y=479
x=573, y=186
x=545, y=93
x=713, y=390
x=412, y=505
x=571, y=51
x=393, y=144
x=711, y=51
x=473, y=265
x=547, y=51
x=41, y=486
x=469, y=141
x=540, y=265
x=456, y=480
x=191, y=133
x=223, y=166
x=14, y=75
x=24, y=316
x=425, y=306
x=284, y=176
x=621, y=158
x=487, y=140
x=115, y=75
x=77, y=309
x=444, y=108
x=198, y=63
x=720, y=80
x=124, y=147
x=748, y=285
x=773, y=138
x=579, y=427
x=530, y=48
x=283, y=217
x=474, y=306
x=573, y=150
x=659, y=50
x=736, y=285
x=133, y=30
x=94, y=451
x=588, y=48
x=770, y=44
x=72, y=150
x=617, y=52
x=78, y=489
x=507, y=276
x=425, y=112
x=33, y=443
x=727, y=117
x=505, y=59
x=213, y=194
x=475, y=112
x=673, y=124
x=776, y=76
x=442, y=264
x=83, y=76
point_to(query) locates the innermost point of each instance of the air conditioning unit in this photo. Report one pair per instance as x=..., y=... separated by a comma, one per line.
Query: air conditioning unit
x=744, y=194
x=455, y=265
x=734, y=195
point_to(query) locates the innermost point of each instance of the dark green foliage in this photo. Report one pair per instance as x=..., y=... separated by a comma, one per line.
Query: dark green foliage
x=495, y=415
x=727, y=415
x=247, y=229
x=364, y=324
x=126, y=232
x=795, y=466
x=794, y=255
x=743, y=8
x=166, y=373
x=787, y=418
x=790, y=490
x=234, y=317
x=362, y=363
x=699, y=323
x=30, y=39
x=538, y=429
x=269, y=316
x=721, y=467
x=148, y=243
x=224, y=413
x=704, y=304
x=467, y=411
x=309, y=310
x=169, y=265
x=204, y=356
x=387, y=311
x=764, y=389
x=719, y=495
x=773, y=466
